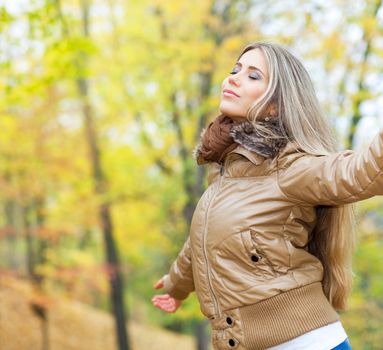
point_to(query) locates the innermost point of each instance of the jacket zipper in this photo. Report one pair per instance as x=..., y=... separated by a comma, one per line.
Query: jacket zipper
x=215, y=301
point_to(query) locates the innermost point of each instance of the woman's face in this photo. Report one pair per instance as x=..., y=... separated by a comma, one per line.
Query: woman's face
x=245, y=84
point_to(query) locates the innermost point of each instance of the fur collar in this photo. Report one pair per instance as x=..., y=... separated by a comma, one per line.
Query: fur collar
x=267, y=140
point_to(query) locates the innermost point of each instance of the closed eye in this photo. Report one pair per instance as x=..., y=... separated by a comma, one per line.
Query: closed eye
x=253, y=76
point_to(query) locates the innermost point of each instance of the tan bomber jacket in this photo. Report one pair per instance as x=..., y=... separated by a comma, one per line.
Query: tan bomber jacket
x=245, y=256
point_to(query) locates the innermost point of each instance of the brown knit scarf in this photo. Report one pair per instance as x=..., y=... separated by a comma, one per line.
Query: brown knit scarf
x=216, y=140
x=224, y=134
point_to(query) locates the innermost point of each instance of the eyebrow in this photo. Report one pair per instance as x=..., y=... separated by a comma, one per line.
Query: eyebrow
x=251, y=67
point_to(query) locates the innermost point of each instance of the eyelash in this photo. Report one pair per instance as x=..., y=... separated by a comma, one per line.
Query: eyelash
x=257, y=77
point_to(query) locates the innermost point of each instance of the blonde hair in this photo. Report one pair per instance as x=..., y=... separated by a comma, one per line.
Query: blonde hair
x=291, y=92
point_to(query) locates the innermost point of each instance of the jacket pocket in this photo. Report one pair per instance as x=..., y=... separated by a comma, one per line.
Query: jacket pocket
x=273, y=248
x=239, y=263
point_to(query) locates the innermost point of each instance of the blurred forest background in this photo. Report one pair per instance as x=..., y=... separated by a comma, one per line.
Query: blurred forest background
x=101, y=103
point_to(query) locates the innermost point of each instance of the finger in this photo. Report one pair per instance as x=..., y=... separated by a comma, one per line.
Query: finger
x=159, y=284
x=169, y=309
x=166, y=308
x=162, y=297
x=158, y=306
x=164, y=303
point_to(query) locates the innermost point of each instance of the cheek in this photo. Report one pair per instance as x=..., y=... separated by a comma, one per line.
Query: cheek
x=255, y=92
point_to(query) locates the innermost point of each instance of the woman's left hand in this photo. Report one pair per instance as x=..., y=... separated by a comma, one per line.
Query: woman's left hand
x=164, y=301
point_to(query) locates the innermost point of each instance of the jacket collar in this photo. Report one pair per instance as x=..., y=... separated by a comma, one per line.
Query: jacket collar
x=252, y=156
x=290, y=148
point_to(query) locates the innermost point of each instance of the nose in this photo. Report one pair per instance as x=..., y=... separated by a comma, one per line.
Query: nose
x=233, y=79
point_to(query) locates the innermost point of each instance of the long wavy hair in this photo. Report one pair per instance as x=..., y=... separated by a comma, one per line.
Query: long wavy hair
x=291, y=92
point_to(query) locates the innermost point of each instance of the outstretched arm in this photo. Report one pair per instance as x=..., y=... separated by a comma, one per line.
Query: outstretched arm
x=335, y=179
x=178, y=283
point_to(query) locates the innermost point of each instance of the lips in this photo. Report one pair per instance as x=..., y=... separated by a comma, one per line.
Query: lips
x=227, y=91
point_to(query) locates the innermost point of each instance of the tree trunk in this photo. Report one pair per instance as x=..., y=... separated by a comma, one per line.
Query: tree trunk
x=11, y=257
x=35, y=258
x=30, y=259
x=114, y=274
x=100, y=188
x=42, y=242
x=202, y=335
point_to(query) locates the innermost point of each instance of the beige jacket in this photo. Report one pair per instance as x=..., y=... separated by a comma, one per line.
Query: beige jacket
x=245, y=256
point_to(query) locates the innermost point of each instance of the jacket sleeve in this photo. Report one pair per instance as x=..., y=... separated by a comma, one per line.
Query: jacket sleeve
x=335, y=179
x=179, y=282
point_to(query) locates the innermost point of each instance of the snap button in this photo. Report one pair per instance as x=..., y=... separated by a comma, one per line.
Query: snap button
x=231, y=342
x=254, y=258
x=229, y=320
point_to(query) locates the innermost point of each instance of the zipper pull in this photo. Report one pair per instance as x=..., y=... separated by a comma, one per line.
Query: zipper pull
x=221, y=170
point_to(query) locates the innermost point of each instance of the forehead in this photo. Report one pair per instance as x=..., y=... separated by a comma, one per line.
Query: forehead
x=254, y=58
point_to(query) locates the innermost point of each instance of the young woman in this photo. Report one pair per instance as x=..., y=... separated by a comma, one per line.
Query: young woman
x=270, y=243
